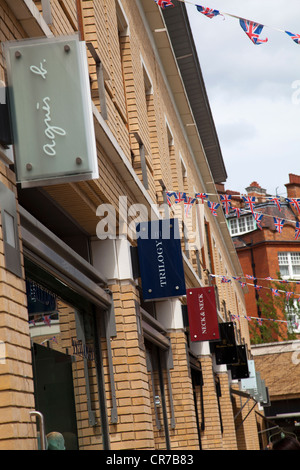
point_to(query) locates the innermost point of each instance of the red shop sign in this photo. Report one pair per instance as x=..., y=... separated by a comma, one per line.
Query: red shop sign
x=202, y=314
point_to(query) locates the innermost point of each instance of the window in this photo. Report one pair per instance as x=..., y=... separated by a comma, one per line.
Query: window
x=293, y=317
x=289, y=264
x=241, y=225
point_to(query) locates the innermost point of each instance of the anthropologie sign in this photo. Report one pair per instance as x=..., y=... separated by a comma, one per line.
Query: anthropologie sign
x=51, y=111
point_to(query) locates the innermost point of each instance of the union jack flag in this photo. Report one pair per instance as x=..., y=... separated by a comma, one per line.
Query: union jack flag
x=288, y=295
x=275, y=292
x=47, y=320
x=201, y=196
x=237, y=210
x=164, y=3
x=226, y=202
x=188, y=203
x=213, y=206
x=169, y=195
x=259, y=321
x=225, y=279
x=257, y=287
x=276, y=200
x=295, y=203
x=258, y=217
x=250, y=201
x=180, y=197
x=269, y=278
x=250, y=277
x=249, y=318
x=209, y=12
x=243, y=284
x=253, y=31
x=297, y=230
x=236, y=278
x=279, y=223
x=295, y=37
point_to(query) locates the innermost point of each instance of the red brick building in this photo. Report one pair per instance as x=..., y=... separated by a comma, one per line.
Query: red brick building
x=264, y=250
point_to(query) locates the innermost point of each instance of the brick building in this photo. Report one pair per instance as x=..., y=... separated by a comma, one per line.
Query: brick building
x=271, y=253
x=83, y=353
x=267, y=252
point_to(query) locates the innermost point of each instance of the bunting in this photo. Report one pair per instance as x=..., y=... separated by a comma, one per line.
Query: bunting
x=295, y=37
x=250, y=202
x=278, y=224
x=164, y=3
x=258, y=217
x=225, y=200
x=209, y=12
x=213, y=206
x=253, y=30
x=297, y=230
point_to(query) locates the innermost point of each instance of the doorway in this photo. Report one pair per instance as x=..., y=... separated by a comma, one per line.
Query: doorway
x=54, y=392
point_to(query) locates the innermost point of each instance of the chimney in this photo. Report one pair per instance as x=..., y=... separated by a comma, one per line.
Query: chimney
x=255, y=190
x=293, y=187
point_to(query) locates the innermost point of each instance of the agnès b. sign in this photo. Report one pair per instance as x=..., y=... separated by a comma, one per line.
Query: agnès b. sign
x=51, y=112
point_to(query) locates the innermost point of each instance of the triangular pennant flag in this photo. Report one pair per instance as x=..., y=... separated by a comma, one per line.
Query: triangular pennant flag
x=288, y=295
x=252, y=30
x=279, y=223
x=188, y=203
x=295, y=37
x=213, y=206
x=258, y=217
x=201, y=196
x=237, y=210
x=250, y=201
x=164, y=3
x=276, y=200
x=47, y=320
x=226, y=202
x=169, y=194
x=209, y=12
x=295, y=203
x=180, y=197
x=297, y=230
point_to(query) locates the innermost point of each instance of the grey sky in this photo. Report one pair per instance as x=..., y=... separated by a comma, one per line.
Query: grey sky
x=250, y=88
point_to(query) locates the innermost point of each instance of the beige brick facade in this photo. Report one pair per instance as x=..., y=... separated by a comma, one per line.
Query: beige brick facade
x=140, y=389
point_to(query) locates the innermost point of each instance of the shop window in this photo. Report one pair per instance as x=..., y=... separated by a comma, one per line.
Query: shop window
x=65, y=357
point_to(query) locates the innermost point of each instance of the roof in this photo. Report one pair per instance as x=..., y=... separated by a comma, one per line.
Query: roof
x=177, y=22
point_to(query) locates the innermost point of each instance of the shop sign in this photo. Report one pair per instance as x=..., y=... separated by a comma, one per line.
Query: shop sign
x=225, y=350
x=250, y=382
x=239, y=370
x=84, y=350
x=202, y=314
x=160, y=259
x=51, y=110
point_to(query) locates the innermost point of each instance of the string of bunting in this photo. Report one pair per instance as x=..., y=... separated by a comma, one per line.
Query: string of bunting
x=249, y=201
x=275, y=292
x=252, y=29
x=260, y=320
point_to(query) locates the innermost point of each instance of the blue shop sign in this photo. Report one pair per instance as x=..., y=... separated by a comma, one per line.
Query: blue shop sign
x=160, y=259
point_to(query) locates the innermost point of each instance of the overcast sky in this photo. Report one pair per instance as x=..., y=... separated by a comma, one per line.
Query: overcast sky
x=250, y=89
